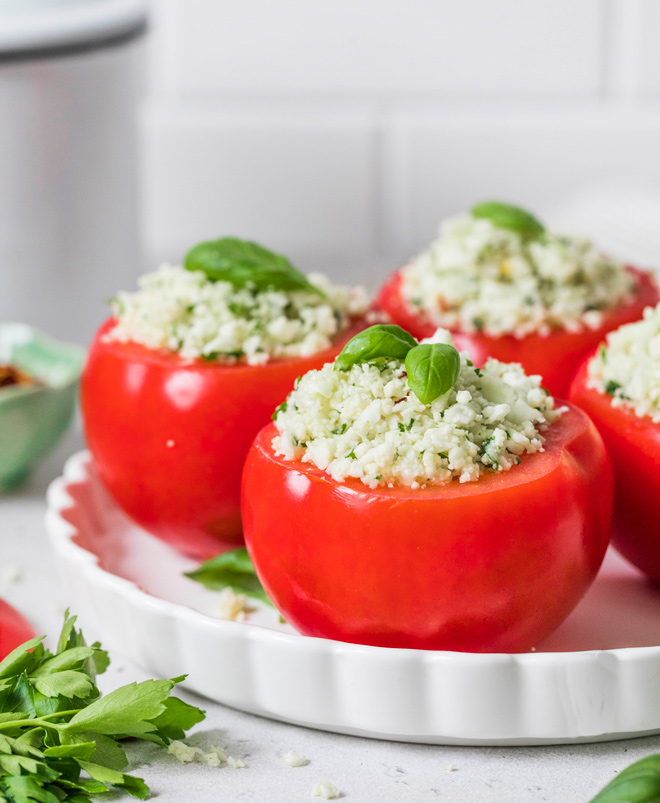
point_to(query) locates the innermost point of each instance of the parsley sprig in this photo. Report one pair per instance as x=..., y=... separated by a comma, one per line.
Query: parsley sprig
x=55, y=726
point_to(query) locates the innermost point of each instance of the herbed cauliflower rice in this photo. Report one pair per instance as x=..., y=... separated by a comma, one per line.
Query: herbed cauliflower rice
x=477, y=276
x=368, y=424
x=183, y=311
x=627, y=368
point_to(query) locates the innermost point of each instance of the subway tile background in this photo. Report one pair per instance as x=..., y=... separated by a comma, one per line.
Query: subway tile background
x=341, y=133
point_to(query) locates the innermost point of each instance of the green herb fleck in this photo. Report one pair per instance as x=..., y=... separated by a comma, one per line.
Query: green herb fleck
x=282, y=408
x=611, y=387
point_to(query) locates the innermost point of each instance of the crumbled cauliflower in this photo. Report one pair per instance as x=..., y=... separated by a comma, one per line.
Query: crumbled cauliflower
x=292, y=759
x=366, y=423
x=325, y=790
x=627, y=368
x=183, y=311
x=477, y=276
x=232, y=606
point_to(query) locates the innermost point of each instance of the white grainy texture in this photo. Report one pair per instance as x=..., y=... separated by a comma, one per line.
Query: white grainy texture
x=232, y=606
x=325, y=790
x=292, y=759
x=627, y=368
x=181, y=310
x=367, y=423
x=183, y=752
x=477, y=276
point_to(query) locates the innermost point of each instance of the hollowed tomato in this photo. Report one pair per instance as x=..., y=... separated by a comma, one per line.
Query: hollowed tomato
x=486, y=566
x=169, y=436
x=555, y=356
x=633, y=443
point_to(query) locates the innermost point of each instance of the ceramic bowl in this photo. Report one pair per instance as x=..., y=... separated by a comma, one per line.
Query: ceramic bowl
x=34, y=417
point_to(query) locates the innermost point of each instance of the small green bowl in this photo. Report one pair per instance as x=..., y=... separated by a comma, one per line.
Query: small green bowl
x=34, y=418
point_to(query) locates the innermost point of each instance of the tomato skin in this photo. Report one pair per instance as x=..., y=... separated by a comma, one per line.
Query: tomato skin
x=633, y=443
x=14, y=629
x=555, y=356
x=169, y=436
x=486, y=566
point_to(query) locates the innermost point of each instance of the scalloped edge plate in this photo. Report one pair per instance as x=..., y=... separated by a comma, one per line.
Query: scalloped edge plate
x=164, y=623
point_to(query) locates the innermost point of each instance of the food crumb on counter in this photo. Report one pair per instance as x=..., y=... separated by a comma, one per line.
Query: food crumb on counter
x=232, y=606
x=183, y=752
x=451, y=768
x=11, y=574
x=236, y=763
x=325, y=790
x=292, y=759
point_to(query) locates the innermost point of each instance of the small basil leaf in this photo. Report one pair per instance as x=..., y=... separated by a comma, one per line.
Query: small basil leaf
x=234, y=569
x=383, y=341
x=638, y=783
x=432, y=369
x=237, y=261
x=507, y=216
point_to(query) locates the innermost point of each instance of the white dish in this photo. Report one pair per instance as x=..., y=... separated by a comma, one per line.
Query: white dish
x=595, y=679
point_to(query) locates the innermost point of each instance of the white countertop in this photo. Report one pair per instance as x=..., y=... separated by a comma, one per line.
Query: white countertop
x=365, y=770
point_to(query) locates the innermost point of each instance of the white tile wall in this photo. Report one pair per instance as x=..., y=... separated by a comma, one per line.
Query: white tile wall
x=341, y=132
x=361, y=46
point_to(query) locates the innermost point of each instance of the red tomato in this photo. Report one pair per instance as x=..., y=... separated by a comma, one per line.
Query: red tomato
x=633, y=443
x=555, y=356
x=486, y=566
x=14, y=629
x=169, y=436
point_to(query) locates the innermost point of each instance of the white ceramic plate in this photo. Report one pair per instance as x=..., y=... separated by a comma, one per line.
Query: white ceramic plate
x=596, y=678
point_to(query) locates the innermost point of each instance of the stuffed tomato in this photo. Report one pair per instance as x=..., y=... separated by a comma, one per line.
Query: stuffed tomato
x=619, y=387
x=179, y=382
x=384, y=508
x=508, y=288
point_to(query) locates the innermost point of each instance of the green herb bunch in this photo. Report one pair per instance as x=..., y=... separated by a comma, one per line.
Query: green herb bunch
x=55, y=726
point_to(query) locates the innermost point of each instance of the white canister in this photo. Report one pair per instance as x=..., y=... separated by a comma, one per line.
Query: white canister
x=69, y=235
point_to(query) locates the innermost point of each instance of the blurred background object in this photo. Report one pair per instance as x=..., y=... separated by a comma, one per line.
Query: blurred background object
x=36, y=410
x=69, y=230
x=339, y=134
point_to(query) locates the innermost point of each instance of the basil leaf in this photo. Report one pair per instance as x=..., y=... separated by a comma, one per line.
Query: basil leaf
x=507, y=216
x=432, y=369
x=638, y=783
x=233, y=569
x=383, y=341
x=237, y=261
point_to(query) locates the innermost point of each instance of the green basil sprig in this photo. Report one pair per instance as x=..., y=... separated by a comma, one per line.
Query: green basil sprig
x=240, y=262
x=507, y=216
x=234, y=569
x=638, y=783
x=432, y=369
x=383, y=341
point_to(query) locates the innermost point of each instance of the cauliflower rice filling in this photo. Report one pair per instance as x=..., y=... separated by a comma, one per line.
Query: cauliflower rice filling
x=627, y=368
x=368, y=424
x=477, y=276
x=183, y=311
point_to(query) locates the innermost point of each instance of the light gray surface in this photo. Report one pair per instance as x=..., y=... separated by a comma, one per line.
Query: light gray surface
x=365, y=770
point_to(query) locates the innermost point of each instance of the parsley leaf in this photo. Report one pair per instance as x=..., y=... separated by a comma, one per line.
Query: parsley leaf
x=54, y=725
